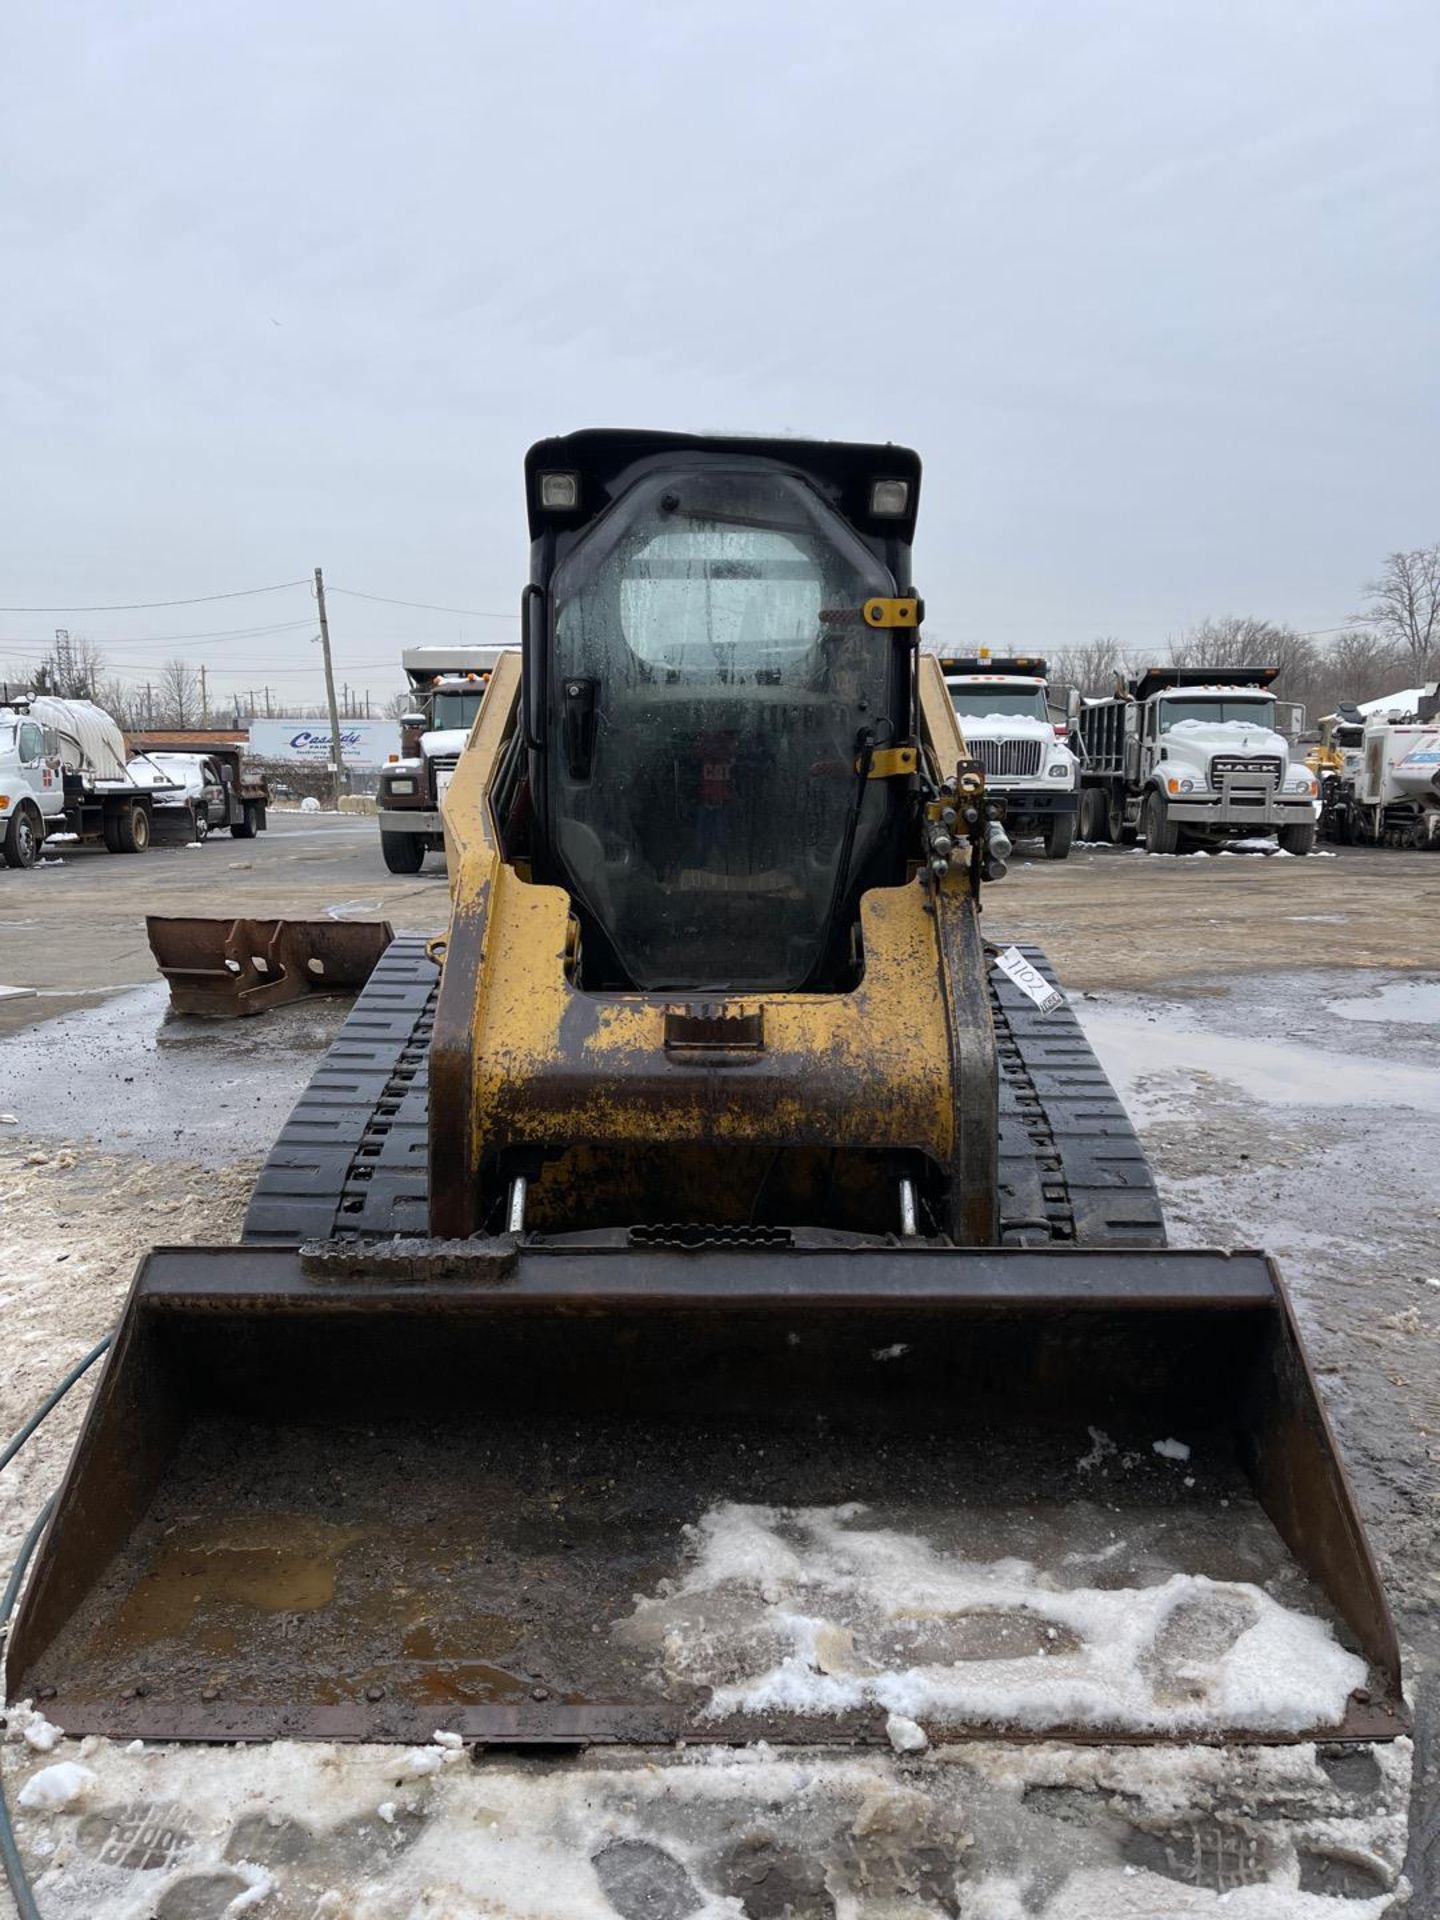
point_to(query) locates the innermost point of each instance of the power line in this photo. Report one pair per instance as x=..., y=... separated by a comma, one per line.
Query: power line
x=144, y=606
x=423, y=606
x=32, y=642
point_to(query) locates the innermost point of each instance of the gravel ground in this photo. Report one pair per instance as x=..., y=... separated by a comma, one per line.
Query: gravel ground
x=1276, y=1115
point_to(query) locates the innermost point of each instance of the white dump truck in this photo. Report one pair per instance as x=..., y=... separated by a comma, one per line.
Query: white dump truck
x=1001, y=703
x=447, y=685
x=63, y=771
x=1188, y=756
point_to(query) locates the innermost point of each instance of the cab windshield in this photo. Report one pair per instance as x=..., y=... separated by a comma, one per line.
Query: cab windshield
x=450, y=710
x=1214, y=707
x=714, y=686
x=977, y=703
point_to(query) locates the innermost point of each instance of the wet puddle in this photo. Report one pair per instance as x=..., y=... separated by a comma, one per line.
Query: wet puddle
x=189, y=1089
x=1138, y=1053
x=1406, y=1002
x=266, y=1563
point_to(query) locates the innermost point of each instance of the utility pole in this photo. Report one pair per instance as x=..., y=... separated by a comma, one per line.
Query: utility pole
x=149, y=707
x=204, y=700
x=267, y=703
x=335, y=749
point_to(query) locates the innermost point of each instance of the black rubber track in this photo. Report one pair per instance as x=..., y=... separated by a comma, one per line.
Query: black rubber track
x=1072, y=1172
x=351, y=1159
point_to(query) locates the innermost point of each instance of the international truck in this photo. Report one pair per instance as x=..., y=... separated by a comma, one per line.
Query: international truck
x=1187, y=757
x=447, y=685
x=1002, y=706
x=63, y=771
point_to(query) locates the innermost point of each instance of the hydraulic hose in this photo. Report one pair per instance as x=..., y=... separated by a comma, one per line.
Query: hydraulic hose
x=17, y=1879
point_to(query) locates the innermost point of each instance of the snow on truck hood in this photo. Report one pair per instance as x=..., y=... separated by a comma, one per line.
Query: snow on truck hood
x=449, y=742
x=1005, y=726
x=1225, y=736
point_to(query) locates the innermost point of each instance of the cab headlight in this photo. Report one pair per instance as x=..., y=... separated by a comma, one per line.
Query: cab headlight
x=400, y=786
x=1058, y=772
x=1187, y=785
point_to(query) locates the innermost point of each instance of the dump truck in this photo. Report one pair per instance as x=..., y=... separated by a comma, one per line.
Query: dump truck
x=712, y=1295
x=63, y=772
x=446, y=686
x=217, y=788
x=1186, y=757
x=1001, y=701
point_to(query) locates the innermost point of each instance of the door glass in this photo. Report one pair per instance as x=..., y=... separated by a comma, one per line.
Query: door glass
x=32, y=744
x=714, y=683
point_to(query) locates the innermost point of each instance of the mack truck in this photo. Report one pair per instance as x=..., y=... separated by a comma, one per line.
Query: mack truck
x=1005, y=717
x=447, y=685
x=1187, y=757
x=63, y=772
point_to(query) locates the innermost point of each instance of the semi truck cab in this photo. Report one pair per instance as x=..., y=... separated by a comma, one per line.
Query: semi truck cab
x=1004, y=715
x=447, y=685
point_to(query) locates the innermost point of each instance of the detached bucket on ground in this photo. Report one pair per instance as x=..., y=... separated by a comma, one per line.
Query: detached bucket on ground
x=227, y=967
x=561, y=1493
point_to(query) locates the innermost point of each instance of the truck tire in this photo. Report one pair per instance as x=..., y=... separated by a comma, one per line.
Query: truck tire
x=244, y=827
x=1115, y=818
x=1161, y=833
x=132, y=830
x=1092, y=814
x=202, y=823
x=1299, y=838
x=404, y=852
x=23, y=838
x=1060, y=836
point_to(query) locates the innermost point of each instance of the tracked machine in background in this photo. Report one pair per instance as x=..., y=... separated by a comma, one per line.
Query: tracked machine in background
x=705, y=1219
x=1379, y=774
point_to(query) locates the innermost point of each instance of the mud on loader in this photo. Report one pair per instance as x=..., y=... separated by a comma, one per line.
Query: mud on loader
x=706, y=1170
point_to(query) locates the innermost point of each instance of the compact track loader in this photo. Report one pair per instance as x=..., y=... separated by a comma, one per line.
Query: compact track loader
x=701, y=1298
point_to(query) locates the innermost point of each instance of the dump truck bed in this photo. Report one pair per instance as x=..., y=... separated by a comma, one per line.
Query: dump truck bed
x=612, y=1493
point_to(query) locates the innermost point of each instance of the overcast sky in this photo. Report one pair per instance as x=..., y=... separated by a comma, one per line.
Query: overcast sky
x=1152, y=285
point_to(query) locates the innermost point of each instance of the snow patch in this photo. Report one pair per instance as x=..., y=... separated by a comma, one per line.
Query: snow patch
x=40, y=1733
x=55, y=1788
x=1170, y=1449
x=759, y=1614
x=906, y=1736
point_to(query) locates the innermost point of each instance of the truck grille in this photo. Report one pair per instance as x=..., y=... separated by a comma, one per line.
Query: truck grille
x=1008, y=759
x=1263, y=769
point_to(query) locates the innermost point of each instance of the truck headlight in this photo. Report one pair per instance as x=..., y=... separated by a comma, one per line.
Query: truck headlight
x=1058, y=772
x=400, y=786
x=1300, y=783
x=1187, y=785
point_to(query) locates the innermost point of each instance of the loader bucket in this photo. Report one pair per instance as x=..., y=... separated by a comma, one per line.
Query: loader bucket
x=562, y=1494
x=225, y=968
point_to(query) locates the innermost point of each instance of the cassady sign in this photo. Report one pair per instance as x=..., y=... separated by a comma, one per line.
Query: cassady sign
x=364, y=744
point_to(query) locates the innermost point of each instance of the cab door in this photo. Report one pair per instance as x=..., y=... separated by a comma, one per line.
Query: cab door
x=41, y=770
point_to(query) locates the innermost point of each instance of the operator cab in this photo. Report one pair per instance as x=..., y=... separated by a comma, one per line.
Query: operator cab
x=705, y=696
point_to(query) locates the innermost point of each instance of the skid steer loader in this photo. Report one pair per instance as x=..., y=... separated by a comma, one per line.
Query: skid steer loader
x=702, y=1299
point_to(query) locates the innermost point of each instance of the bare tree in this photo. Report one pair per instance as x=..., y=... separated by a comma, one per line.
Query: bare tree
x=1359, y=665
x=1404, y=607
x=177, y=701
x=1241, y=640
x=71, y=668
x=1091, y=668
